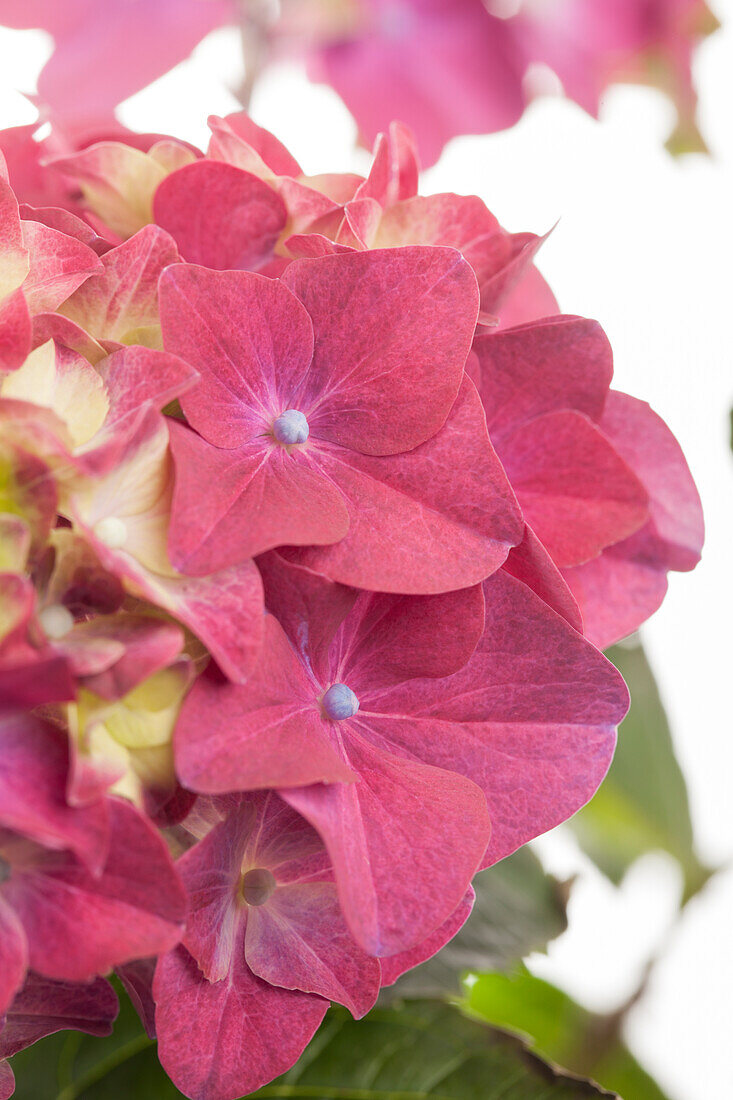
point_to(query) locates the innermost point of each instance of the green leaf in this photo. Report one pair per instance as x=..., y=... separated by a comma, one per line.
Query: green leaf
x=518, y=909
x=422, y=1050
x=417, y=1050
x=642, y=804
x=557, y=1028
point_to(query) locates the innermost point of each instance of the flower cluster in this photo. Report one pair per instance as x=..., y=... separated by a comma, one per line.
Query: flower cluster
x=313, y=511
x=446, y=67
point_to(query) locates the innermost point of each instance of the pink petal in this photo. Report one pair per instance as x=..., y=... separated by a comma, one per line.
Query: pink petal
x=78, y=926
x=247, y=1032
x=530, y=299
x=265, y=145
x=618, y=590
x=137, y=978
x=299, y=940
x=537, y=735
x=459, y=221
x=388, y=324
x=258, y=499
x=33, y=774
x=115, y=305
x=13, y=958
x=148, y=644
x=645, y=442
x=397, y=965
x=405, y=841
x=220, y=216
x=136, y=375
x=15, y=331
x=576, y=492
x=530, y=563
x=562, y=363
x=59, y=265
x=438, y=518
x=45, y=1006
x=268, y=732
x=247, y=336
x=389, y=639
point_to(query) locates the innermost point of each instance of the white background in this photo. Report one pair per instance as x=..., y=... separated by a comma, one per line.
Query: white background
x=644, y=244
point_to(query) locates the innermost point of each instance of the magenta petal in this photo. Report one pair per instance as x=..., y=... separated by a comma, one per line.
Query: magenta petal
x=405, y=841
x=436, y=519
x=397, y=965
x=13, y=957
x=44, y=1006
x=147, y=644
x=7, y=1081
x=537, y=734
x=220, y=216
x=246, y=1032
x=268, y=148
x=247, y=336
x=388, y=639
x=78, y=926
x=59, y=265
x=299, y=940
x=137, y=978
x=255, y=501
x=15, y=331
x=266, y=733
x=618, y=590
x=529, y=562
x=34, y=764
x=135, y=375
x=123, y=299
x=576, y=492
x=563, y=363
x=389, y=324
x=645, y=442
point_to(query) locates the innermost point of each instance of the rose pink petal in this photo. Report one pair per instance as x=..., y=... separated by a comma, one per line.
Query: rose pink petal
x=538, y=750
x=576, y=492
x=299, y=940
x=645, y=442
x=529, y=300
x=78, y=926
x=384, y=638
x=63, y=221
x=547, y=366
x=136, y=375
x=395, y=966
x=473, y=84
x=244, y=334
x=15, y=331
x=7, y=1081
x=13, y=957
x=270, y=151
x=44, y=1006
x=255, y=503
x=148, y=644
x=529, y=562
x=59, y=264
x=117, y=304
x=405, y=841
x=247, y=1032
x=435, y=519
x=220, y=216
x=618, y=590
x=33, y=774
x=102, y=57
x=137, y=978
x=266, y=733
x=382, y=334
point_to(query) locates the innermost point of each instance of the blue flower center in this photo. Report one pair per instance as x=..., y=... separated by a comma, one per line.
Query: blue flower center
x=291, y=427
x=339, y=702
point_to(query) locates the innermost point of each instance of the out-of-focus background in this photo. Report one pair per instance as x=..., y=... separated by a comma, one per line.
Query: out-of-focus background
x=643, y=243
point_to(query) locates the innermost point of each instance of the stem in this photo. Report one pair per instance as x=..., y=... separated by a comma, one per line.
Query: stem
x=100, y=1071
